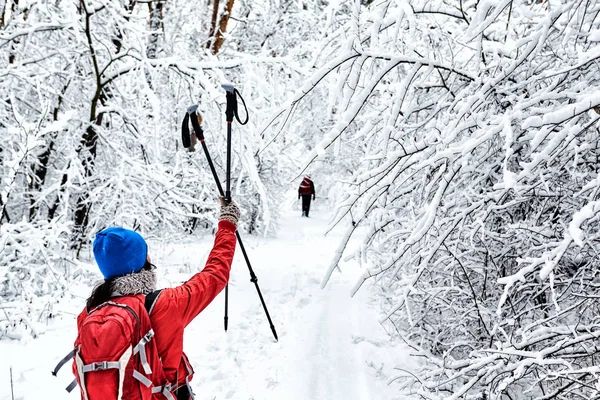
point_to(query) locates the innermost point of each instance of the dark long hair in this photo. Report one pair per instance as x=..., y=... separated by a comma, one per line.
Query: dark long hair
x=101, y=294
x=104, y=291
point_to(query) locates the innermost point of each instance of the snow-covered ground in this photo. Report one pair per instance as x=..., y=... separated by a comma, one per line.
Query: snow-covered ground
x=330, y=346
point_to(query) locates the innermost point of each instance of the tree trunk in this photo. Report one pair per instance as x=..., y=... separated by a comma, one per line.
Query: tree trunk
x=117, y=41
x=213, y=24
x=16, y=41
x=219, y=38
x=88, y=148
x=156, y=19
x=39, y=170
x=63, y=182
x=4, y=214
x=2, y=14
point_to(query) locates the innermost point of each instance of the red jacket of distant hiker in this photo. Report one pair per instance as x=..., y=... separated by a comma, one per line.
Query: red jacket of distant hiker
x=176, y=307
x=306, y=187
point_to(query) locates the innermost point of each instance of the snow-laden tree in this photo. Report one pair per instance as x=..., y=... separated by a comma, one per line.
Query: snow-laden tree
x=273, y=42
x=85, y=64
x=92, y=97
x=477, y=195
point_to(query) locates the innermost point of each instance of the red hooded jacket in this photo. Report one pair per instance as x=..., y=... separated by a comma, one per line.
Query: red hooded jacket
x=306, y=187
x=176, y=307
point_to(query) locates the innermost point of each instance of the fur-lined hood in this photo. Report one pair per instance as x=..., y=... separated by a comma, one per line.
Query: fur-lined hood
x=142, y=282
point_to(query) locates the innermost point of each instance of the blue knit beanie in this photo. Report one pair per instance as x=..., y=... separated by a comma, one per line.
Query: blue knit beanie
x=119, y=251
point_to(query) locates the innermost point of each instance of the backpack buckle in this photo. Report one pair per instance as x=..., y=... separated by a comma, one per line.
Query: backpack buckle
x=147, y=337
x=167, y=387
x=99, y=366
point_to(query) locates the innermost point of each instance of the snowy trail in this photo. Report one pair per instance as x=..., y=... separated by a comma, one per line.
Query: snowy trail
x=331, y=346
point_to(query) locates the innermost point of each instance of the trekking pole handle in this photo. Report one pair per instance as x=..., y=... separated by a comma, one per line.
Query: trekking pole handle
x=192, y=109
x=231, y=109
x=196, y=120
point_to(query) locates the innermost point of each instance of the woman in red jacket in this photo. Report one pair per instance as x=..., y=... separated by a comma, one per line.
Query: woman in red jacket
x=122, y=256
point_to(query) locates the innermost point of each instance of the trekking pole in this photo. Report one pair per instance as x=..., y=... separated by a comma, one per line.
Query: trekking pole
x=230, y=111
x=192, y=115
x=192, y=112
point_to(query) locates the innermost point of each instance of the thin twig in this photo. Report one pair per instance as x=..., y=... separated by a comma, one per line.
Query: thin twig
x=12, y=392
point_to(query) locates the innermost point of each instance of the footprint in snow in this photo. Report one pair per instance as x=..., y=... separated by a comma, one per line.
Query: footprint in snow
x=304, y=302
x=313, y=281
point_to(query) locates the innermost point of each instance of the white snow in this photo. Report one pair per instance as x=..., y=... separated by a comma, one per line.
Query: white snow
x=331, y=346
x=587, y=212
x=510, y=178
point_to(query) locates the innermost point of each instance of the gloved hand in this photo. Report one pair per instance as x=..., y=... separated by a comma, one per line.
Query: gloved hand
x=229, y=212
x=313, y=196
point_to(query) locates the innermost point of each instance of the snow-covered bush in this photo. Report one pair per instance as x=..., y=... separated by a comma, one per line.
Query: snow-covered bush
x=93, y=96
x=32, y=274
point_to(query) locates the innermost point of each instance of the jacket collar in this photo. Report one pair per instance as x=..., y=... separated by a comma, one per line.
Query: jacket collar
x=142, y=282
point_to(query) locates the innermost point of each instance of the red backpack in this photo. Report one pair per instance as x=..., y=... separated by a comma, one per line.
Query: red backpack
x=114, y=355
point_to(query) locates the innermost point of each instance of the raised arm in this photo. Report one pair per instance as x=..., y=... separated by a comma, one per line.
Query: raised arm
x=186, y=301
x=189, y=299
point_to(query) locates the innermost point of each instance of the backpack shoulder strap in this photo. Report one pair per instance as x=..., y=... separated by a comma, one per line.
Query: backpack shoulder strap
x=151, y=300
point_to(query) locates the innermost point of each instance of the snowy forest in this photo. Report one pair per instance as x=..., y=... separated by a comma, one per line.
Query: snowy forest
x=458, y=141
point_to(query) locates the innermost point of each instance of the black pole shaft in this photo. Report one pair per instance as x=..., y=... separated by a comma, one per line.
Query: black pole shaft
x=212, y=167
x=254, y=280
x=200, y=135
x=226, y=318
x=228, y=170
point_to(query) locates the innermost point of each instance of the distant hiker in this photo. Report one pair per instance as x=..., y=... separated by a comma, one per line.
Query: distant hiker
x=306, y=191
x=130, y=335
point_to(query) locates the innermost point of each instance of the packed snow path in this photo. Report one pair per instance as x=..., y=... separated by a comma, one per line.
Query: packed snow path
x=331, y=346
